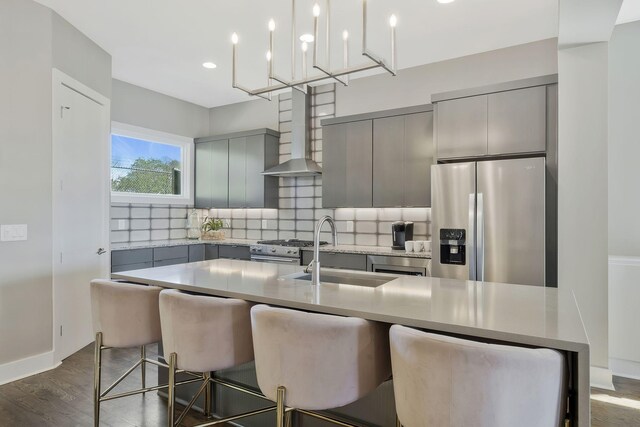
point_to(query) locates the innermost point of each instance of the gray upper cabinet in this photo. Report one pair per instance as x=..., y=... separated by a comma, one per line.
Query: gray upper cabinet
x=502, y=119
x=347, y=153
x=517, y=121
x=211, y=176
x=380, y=159
x=403, y=153
x=462, y=127
x=229, y=170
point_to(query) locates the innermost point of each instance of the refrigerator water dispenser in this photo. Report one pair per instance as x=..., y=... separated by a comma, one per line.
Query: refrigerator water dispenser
x=452, y=246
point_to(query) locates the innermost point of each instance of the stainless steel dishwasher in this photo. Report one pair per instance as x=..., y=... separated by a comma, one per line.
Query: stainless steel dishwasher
x=399, y=265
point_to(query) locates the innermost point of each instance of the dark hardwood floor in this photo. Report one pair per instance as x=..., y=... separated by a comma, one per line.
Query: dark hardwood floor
x=63, y=397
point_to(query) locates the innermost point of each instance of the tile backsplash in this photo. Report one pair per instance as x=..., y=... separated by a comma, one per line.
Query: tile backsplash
x=300, y=203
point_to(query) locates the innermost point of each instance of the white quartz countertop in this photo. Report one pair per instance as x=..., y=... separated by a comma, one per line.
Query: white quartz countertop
x=536, y=316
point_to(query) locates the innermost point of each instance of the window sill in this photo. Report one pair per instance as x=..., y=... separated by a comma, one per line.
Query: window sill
x=150, y=199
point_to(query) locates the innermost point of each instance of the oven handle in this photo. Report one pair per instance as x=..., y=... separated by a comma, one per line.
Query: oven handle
x=275, y=259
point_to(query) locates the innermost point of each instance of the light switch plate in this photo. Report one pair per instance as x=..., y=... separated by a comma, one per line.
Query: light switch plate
x=13, y=232
x=121, y=224
x=264, y=223
x=350, y=226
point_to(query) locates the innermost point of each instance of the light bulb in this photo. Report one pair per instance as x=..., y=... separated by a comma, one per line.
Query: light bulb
x=445, y=1
x=268, y=55
x=272, y=25
x=209, y=65
x=307, y=38
x=345, y=35
x=393, y=21
x=234, y=38
x=305, y=46
x=316, y=10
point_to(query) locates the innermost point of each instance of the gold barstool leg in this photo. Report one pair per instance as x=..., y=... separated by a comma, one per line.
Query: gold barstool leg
x=143, y=366
x=208, y=394
x=280, y=409
x=97, y=368
x=398, y=423
x=171, y=390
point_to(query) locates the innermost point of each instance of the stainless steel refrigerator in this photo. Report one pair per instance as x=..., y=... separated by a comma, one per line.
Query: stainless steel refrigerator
x=488, y=221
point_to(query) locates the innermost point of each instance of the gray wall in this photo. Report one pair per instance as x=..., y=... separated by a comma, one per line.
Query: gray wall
x=624, y=140
x=32, y=41
x=25, y=179
x=582, y=187
x=138, y=106
x=77, y=56
x=254, y=114
x=414, y=86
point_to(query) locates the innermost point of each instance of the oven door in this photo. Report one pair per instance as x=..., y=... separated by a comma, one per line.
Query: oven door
x=275, y=259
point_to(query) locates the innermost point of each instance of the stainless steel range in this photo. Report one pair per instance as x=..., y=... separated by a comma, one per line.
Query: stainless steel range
x=280, y=251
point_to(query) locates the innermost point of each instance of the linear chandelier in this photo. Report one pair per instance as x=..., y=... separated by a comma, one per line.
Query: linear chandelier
x=276, y=83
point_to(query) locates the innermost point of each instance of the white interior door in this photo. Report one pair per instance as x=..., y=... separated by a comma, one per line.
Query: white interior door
x=80, y=208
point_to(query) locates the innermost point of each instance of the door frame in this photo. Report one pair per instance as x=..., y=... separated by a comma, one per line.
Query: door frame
x=61, y=80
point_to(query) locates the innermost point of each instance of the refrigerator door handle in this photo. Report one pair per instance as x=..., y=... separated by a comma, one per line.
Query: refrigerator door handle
x=471, y=238
x=480, y=238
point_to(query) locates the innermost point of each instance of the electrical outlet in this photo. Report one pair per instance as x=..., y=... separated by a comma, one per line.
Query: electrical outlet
x=350, y=226
x=264, y=223
x=121, y=224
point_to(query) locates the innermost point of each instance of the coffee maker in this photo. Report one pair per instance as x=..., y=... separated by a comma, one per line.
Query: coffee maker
x=401, y=231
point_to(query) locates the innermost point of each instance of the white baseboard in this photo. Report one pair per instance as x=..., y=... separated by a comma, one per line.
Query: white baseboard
x=601, y=378
x=625, y=368
x=26, y=367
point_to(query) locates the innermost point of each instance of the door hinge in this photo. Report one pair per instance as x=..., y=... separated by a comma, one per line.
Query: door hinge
x=60, y=330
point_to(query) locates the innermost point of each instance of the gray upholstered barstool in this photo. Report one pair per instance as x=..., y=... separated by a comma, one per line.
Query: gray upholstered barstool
x=307, y=362
x=203, y=334
x=445, y=381
x=124, y=315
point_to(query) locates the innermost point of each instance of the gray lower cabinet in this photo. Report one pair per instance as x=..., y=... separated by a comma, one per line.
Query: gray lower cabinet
x=170, y=255
x=210, y=251
x=196, y=253
x=337, y=260
x=462, y=127
x=403, y=153
x=234, y=252
x=347, y=154
x=229, y=170
x=131, y=259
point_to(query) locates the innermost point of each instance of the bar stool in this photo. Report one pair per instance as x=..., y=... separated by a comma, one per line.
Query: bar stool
x=307, y=362
x=444, y=381
x=125, y=315
x=202, y=334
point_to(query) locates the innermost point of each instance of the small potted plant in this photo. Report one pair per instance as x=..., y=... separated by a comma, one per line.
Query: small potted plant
x=211, y=229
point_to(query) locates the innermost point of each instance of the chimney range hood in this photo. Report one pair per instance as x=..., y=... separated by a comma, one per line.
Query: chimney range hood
x=300, y=163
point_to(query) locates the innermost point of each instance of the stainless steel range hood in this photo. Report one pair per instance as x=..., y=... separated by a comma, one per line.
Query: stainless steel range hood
x=300, y=163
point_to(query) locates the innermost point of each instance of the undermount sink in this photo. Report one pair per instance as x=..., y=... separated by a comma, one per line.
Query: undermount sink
x=346, y=277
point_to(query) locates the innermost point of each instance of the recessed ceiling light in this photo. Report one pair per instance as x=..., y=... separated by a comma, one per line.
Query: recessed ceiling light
x=307, y=38
x=209, y=65
x=445, y=1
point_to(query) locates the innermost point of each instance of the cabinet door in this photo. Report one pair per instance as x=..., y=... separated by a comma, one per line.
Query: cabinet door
x=204, y=175
x=196, y=253
x=388, y=161
x=348, y=165
x=220, y=174
x=462, y=127
x=517, y=121
x=237, y=172
x=419, y=153
x=254, y=166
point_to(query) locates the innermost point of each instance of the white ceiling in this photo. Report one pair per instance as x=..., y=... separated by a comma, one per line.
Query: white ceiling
x=161, y=44
x=630, y=11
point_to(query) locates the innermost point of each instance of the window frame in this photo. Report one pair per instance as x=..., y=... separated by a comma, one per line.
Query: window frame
x=187, y=147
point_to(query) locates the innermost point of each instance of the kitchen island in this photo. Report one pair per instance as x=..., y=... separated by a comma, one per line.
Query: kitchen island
x=492, y=312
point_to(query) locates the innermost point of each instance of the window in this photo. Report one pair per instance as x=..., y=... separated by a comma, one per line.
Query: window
x=149, y=166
